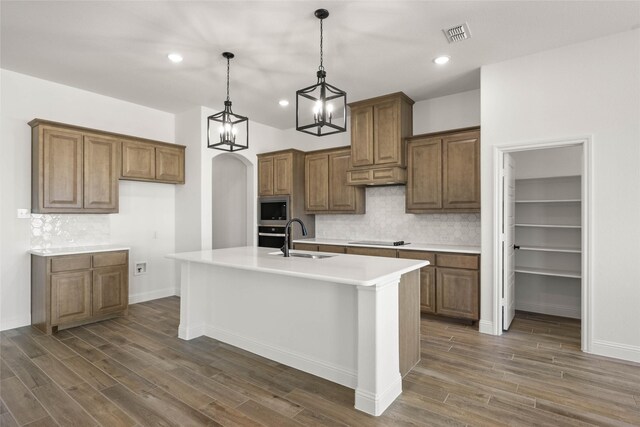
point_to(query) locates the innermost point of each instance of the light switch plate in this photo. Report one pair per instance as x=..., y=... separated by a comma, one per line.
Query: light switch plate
x=24, y=214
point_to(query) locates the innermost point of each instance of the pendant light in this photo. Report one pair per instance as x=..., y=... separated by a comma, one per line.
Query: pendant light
x=226, y=130
x=321, y=109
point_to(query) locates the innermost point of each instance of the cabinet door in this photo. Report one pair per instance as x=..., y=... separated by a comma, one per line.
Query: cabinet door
x=62, y=169
x=428, y=290
x=170, y=164
x=362, y=136
x=265, y=176
x=386, y=133
x=282, y=174
x=316, y=177
x=342, y=197
x=110, y=290
x=70, y=297
x=100, y=173
x=461, y=171
x=424, y=184
x=457, y=293
x=138, y=160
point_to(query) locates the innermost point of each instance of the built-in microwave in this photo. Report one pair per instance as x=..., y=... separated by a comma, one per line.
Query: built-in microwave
x=273, y=210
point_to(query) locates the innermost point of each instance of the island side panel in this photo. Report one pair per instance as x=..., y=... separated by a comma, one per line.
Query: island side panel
x=193, y=297
x=308, y=324
x=379, y=380
x=409, y=319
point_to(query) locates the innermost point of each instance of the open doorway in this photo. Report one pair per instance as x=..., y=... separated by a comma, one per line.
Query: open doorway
x=230, y=219
x=542, y=239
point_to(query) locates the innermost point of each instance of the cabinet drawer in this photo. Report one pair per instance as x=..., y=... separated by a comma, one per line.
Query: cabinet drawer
x=331, y=248
x=107, y=259
x=70, y=263
x=305, y=247
x=427, y=256
x=385, y=252
x=458, y=261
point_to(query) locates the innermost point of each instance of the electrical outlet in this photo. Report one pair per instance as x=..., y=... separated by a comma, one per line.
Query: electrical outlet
x=140, y=268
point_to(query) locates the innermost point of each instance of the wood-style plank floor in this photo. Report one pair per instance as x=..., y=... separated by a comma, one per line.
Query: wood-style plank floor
x=134, y=371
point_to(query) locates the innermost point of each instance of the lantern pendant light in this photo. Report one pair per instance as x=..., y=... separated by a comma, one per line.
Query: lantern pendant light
x=226, y=130
x=321, y=109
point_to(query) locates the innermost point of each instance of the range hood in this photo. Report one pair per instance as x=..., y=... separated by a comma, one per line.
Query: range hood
x=379, y=127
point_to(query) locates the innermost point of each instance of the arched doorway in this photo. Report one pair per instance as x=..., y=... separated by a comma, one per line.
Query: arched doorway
x=230, y=201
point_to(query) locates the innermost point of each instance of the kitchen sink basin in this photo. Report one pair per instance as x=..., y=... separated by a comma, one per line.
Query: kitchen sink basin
x=303, y=255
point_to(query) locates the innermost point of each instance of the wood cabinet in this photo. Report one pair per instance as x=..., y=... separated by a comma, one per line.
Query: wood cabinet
x=72, y=290
x=444, y=172
x=278, y=171
x=73, y=171
x=450, y=286
x=326, y=188
x=378, y=129
x=76, y=169
x=152, y=161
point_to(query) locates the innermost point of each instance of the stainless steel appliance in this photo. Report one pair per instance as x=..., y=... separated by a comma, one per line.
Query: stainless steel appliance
x=270, y=236
x=274, y=210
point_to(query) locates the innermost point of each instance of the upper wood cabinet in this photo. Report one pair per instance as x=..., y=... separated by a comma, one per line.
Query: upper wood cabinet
x=76, y=169
x=277, y=172
x=444, y=172
x=378, y=129
x=73, y=171
x=326, y=188
x=152, y=161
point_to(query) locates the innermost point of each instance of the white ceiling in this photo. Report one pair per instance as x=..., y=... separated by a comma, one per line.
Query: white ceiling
x=119, y=48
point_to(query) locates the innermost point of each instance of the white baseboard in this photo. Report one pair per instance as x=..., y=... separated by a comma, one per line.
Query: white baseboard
x=16, y=322
x=189, y=333
x=148, y=296
x=376, y=404
x=550, y=309
x=616, y=350
x=486, y=327
x=336, y=374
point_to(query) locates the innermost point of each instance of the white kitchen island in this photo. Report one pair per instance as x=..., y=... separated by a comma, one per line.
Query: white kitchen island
x=335, y=317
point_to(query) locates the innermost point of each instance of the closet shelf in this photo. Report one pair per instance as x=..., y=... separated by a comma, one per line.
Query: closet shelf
x=548, y=178
x=548, y=272
x=548, y=226
x=550, y=201
x=550, y=249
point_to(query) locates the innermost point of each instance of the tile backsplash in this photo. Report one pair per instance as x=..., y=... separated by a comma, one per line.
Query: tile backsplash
x=52, y=231
x=386, y=220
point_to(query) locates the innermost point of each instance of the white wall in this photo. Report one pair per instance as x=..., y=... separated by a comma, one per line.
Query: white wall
x=229, y=197
x=455, y=111
x=146, y=220
x=565, y=161
x=588, y=89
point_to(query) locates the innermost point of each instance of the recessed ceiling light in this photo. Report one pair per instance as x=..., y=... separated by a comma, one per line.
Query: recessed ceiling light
x=175, y=57
x=441, y=60
x=283, y=102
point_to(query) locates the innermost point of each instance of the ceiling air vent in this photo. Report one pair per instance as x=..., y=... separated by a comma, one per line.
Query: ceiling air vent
x=457, y=33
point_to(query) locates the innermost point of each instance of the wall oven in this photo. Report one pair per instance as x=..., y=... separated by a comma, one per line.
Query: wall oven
x=270, y=236
x=273, y=214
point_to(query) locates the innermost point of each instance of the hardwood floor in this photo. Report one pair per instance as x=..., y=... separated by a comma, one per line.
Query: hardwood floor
x=134, y=371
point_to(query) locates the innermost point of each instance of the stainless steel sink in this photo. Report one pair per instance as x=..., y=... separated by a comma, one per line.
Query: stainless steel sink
x=303, y=255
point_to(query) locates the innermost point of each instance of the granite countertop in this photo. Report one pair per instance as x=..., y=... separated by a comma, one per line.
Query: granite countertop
x=431, y=247
x=74, y=250
x=338, y=268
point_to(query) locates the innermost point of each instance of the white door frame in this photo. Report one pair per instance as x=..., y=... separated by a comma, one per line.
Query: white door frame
x=587, y=232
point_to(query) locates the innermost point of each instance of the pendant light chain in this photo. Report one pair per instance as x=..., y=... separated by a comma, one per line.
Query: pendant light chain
x=321, y=68
x=228, y=60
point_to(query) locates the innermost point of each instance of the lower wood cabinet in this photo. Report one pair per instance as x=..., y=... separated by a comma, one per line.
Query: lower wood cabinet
x=72, y=290
x=457, y=293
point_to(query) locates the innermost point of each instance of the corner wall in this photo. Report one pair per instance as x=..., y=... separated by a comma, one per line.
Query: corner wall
x=146, y=220
x=590, y=89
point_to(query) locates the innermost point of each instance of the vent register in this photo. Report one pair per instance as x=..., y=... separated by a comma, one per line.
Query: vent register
x=457, y=33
